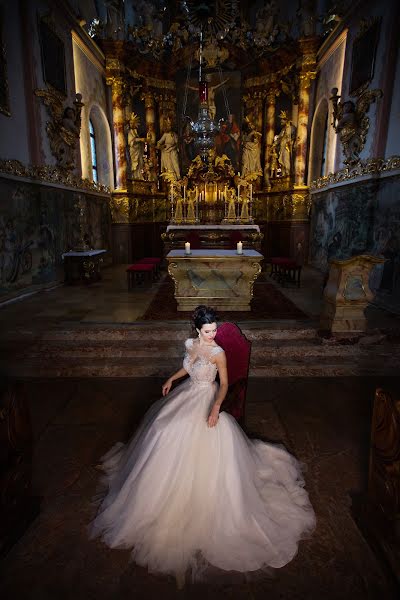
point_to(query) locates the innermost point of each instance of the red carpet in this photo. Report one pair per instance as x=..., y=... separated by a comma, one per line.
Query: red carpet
x=268, y=303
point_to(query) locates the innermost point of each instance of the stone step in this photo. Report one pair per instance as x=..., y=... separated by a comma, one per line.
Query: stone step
x=146, y=350
x=127, y=369
x=265, y=349
x=146, y=333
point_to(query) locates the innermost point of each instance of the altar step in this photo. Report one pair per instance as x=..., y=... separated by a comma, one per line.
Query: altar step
x=145, y=350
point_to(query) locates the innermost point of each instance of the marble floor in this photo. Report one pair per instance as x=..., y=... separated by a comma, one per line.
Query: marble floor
x=109, y=302
x=324, y=422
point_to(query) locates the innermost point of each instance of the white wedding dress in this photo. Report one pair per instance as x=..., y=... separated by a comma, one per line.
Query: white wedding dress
x=188, y=497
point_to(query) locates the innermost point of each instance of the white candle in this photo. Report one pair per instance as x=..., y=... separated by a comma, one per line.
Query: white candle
x=238, y=192
x=187, y=247
x=251, y=192
x=184, y=192
x=239, y=248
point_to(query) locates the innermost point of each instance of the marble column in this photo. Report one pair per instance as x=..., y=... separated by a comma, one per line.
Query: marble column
x=308, y=49
x=119, y=133
x=149, y=104
x=269, y=129
x=302, y=128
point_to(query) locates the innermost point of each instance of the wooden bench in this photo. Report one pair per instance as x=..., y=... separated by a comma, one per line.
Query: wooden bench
x=138, y=273
x=152, y=260
x=285, y=270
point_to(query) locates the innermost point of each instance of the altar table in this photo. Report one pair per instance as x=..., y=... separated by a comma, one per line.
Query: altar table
x=223, y=279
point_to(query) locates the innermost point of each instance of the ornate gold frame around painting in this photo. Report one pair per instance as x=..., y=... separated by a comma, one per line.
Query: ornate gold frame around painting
x=364, y=55
x=4, y=92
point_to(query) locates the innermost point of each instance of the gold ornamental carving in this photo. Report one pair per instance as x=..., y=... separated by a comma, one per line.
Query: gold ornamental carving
x=51, y=174
x=372, y=166
x=64, y=126
x=351, y=123
x=384, y=471
x=214, y=55
x=161, y=84
x=120, y=209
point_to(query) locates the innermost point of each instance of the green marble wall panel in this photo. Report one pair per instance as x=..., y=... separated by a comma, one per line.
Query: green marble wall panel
x=37, y=224
x=361, y=218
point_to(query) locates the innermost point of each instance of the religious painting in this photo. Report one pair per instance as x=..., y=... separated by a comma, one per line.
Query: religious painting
x=53, y=57
x=4, y=94
x=224, y=103
x=363, y=57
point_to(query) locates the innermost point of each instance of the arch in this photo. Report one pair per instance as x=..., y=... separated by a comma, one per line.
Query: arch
x=93, y=149
x=318, y=165
x=105, y=171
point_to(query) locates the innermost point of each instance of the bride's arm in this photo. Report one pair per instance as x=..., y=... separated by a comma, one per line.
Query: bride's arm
x=220, y=361
x=167, y=385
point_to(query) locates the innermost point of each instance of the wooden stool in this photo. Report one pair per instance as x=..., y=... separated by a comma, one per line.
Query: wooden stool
x=138, y=272
x=152, y=260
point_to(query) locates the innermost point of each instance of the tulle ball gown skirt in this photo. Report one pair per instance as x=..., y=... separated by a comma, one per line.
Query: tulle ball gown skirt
x=187, y=498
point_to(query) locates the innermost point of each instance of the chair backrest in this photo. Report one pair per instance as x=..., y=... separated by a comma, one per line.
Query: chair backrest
x=194, y=239
x=234, y=238
x=237, y=349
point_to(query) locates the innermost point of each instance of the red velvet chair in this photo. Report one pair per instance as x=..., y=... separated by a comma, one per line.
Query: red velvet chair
x=237, y=349
x=194, y=240
x=234, y=238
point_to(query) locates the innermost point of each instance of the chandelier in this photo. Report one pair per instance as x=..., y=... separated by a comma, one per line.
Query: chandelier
x=204, y=129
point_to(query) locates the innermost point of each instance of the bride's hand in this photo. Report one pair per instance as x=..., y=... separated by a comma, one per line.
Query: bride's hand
x=213, y=416
x=166, y=387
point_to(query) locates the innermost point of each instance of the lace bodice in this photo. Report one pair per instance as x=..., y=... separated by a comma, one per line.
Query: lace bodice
x=197, y=361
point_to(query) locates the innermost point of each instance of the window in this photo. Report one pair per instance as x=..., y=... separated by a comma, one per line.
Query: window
x=93, y=151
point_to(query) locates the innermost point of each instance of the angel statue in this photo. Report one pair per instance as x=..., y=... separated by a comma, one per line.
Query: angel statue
x=231, y=204
x=63, y=128
x=351, y=122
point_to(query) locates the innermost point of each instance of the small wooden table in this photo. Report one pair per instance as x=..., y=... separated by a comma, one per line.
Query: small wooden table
x=82, y=267
x=222, y=278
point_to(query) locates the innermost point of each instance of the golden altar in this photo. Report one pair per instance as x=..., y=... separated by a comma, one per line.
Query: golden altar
x=219, y=277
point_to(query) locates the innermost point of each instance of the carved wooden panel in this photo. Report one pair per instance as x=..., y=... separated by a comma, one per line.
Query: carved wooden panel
x=380, y=510
x=17, y=507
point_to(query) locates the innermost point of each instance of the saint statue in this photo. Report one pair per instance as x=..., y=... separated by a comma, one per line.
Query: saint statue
x=168, y=144
x=251, y=162
x=191, y=215
x=284, y=144
x=231, y=205
x=136, y=147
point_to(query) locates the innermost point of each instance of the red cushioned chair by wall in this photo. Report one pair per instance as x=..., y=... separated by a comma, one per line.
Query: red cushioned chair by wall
x=194, y=240
x=237, y=349
x=234, y=238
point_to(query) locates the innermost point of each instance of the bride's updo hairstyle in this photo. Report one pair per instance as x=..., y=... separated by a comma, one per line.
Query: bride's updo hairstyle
x=203, y=315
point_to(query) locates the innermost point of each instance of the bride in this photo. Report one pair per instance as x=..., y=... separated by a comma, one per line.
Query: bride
x=190, y=494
